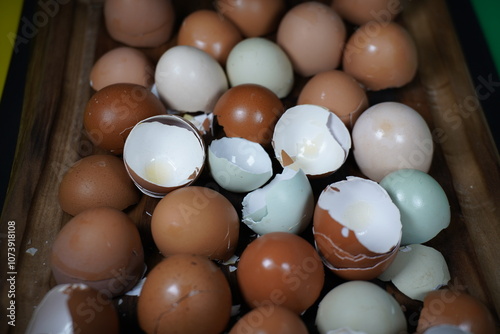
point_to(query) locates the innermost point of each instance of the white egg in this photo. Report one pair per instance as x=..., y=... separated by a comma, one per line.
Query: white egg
x=286, y=204
x=260, y=61
x=189, y=79
x=239, y=165
x=311, y=138
x=446, y=329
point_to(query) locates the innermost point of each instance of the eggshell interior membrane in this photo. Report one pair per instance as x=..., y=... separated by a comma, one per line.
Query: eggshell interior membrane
x=163, y=154
x=417, y=270
x=238, y=164
x=365, y=209
x=286, y=204
x=311, y=138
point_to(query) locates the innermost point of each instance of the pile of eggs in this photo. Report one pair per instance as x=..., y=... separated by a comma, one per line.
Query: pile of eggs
x=239, y=134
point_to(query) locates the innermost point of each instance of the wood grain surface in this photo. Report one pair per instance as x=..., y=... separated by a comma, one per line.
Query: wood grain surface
x=466, y=162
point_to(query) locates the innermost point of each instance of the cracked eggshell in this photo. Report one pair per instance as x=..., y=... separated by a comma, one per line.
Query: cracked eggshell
x=417, y=270
x=286, y=204
x=311, y=138
x=239, y=165
x=66, y=309
x=163, y=153
x=182, y=294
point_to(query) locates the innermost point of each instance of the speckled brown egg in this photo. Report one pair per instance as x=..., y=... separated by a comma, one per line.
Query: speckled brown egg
x=96, y=180
x=101, y=248
x=113, y=111
x=184, y=294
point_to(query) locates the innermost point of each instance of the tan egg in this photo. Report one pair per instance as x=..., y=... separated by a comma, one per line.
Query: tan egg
x=122, y=65
x=381, y=56
x=362, y=11
x=94, y=181
x=211, y=32
x=145, y=23
x=313, y=35
x=271, y=319
x=254, y=18
x=337, y=91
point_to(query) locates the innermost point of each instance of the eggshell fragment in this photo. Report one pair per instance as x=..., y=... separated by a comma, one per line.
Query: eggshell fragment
x=417, y=270
x=286, y=204
x=239, y=165
x=311, y=138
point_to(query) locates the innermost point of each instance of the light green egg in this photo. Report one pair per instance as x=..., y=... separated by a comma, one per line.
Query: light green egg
x=422, y=202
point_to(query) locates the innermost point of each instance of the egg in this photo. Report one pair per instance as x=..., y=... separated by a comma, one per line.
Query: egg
x=338, y=92
x=381, y=56
x=74, y=308
x=249, y=111
x=360, y=306
x=195, y=220
x=313, y=35
x=182, y=294
x=446, y=329
x=101, y=248
x=390, y=136
x=94, y=181
x=285, y=204
x=146, y=23
x=260, y=61
x=311, y=138
x=422, y=202
x=357, y=228
x=417, y=270
x=189, y=79
x=112, y=112
x=239, y=165
x=455, y=308
x=362, y=11
x=155, y=165
x=271, y=319
x=122, y=65
x=281, y=269
x=253, y=18
x=211, y=32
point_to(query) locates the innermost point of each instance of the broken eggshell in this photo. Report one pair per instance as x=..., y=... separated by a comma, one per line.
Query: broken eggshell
x=163, y=153
x=239, y=165
x=286, y=204
x=357, y=228
x=311, y=138
x=417, y=270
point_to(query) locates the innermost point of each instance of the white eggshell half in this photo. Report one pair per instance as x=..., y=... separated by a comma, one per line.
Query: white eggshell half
x=286, y=204
x=238, y=164
x=344, y=331
x=446, y=329
x=417, y=270
x=311, y=138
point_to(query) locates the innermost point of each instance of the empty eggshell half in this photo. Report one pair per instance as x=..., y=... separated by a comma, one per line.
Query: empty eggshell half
x=163, y=153
x=311, y=138
x=417, y=270
x=286, y=204
x=238, y=164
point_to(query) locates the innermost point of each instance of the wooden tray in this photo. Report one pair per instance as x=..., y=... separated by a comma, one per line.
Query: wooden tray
x=466, y=162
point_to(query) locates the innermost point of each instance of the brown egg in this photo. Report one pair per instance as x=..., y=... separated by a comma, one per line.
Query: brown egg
x=184, y=294
x=94, y=181
x=147, y=23
x=113, y=111
x=280, y=268
x=101, y=248
x=254, y=18
x=313, y=35
x=122, y=65
x=195, y=220
x=362, y=11
x=337, y=91
x=381, y=56
x=249, y=111
x=211, y=32
x=271, y=319
x=457, y=308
